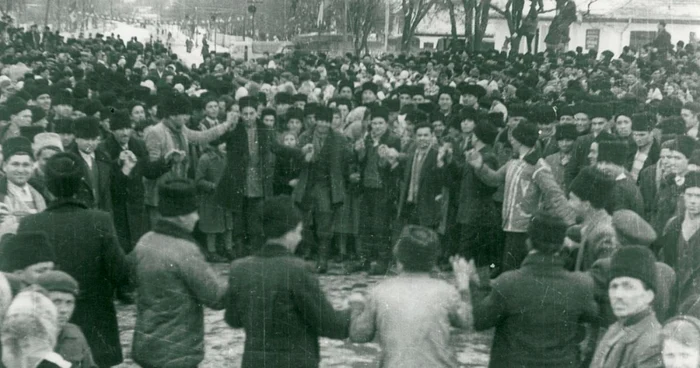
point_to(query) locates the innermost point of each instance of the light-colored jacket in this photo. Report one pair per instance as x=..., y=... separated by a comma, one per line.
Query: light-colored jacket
x=411, y=316
x=528, y=188
x=174, y=284
x=160, y=140
x=17, y=208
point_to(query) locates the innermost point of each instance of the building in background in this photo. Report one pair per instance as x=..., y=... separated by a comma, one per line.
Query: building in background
x=610, y=24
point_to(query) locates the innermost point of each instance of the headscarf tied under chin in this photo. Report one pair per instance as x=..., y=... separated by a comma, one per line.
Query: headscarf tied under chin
x=30, y=327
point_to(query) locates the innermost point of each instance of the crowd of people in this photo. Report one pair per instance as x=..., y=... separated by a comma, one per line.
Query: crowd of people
x=563, y=191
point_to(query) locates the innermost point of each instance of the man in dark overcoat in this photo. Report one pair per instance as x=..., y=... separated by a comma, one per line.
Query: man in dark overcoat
x=379, y=191
x=95, y=189
x=248, y=176
x=421, y=182
x=276, y=287
x=527, y=304
x=130, y=164
x=86, y=248
x=321, y=188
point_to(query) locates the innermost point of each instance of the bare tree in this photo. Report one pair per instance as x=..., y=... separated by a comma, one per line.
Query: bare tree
x=413, y=12
x=364, y=16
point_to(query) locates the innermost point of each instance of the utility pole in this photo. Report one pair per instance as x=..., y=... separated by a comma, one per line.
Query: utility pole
x=387, y=14
x=46, y=16
x=345, y=25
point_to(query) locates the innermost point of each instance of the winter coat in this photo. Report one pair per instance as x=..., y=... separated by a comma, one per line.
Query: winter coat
x=276, y=287
x=73, y=347
x=128, y=192
x=160, y=140
x=636, y=344
x=213, y=217
x=339, y=155
x=663, y=298
x=103, y=164
x=625, y=194
x=598, y=240
x=86, y=247
x=529, y=187
x=174, y=283
x=411, y=317
x=527, y=305
x=649, y=181
x=17, y=207
x=231, y=189
x=475, y=201
x=431, y=181
x=687, y=293
x=558, y=169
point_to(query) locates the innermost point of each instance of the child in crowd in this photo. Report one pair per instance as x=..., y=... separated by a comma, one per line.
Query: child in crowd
x=71, y=344
x=287, y=169
x=214, y=220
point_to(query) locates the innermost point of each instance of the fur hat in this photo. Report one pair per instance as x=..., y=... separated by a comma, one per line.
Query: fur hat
x=280, y=216
x=87, y=127
x=16, y=145
x=15, y=105
x=642, y=122
x=23, y=250
x=592, y=185
x=634, y=261
x=546, y=232
x=370, y=86
x=174, y=104
x=685, y=145
x=417, y=248
x=324, y=114
x=63, y=126
x=485, y=132
x=64, y=174
x=542, y=114
x=177, y=197
x=692, y=180
x=379, y=112
x=613, y=151
x=526, y=133
x=62, y=97
x=120, y=119
x=248, y=101
x=46, y=140
x=566, y=131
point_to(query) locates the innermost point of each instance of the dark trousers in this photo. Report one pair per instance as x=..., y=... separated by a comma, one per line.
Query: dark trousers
x=515, y=251
x=374, y=225
x=247, y=224
x=480, y=243
x=319, y=215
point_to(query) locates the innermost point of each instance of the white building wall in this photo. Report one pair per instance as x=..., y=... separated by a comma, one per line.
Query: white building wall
x=613, y=35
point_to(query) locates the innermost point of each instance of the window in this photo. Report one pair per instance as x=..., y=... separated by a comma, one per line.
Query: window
x=428, y=45
x=592, y=39
x=638, y=39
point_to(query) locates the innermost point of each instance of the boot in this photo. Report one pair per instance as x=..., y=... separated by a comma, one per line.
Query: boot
x=322, y=259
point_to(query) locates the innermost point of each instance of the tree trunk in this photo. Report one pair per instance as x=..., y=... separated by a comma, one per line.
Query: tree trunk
x=515, y=43
x=468, y=19
x=453, y=21
x=481, y=22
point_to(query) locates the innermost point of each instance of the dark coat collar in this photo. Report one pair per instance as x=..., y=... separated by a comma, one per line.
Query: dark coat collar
x=66, y=202
x=171, y=229
x=273, y=250
x=540, y=260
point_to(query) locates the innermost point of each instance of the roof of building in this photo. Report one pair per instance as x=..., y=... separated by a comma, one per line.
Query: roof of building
x=635, y=9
